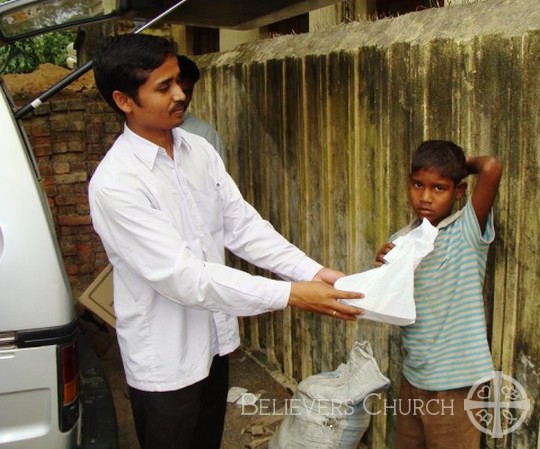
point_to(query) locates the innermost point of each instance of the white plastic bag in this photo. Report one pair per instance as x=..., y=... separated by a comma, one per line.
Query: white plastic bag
x=389, y=289
x=327, y=411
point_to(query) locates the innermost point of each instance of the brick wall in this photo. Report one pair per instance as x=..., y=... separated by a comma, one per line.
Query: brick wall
x=70, y=134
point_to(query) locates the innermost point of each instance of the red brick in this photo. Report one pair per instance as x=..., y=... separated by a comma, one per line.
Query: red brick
x=40, y=127
x=74, y=220
x=61, y=168
x=72, y=269
x=71, y=178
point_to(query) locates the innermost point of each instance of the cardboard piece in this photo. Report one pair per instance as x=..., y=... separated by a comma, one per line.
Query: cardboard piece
x=98, y=297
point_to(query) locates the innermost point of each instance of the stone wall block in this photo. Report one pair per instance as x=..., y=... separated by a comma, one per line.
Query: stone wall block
x=59, y=123
x=49, y=186
x=44, y=167
x=113, y=126
x=42, y=147
x=76, y=125
x=71, y=178
x=98, y=108
x=68, y=248
x=77, y=105
x=61, y=168
x=59, y=105
x=74, y=220
x=40, y=127
x=44, y=109
x=63, y=199
x=60, y=147
x=78, y=187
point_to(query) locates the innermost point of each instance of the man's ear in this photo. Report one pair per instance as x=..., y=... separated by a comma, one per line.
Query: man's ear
x=123, y=101
x=460, y=190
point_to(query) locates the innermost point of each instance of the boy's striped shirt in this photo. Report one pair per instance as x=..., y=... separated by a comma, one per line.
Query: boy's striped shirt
x=447, y=346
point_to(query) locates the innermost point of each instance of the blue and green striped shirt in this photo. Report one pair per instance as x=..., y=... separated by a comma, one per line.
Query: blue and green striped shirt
x=447, y=346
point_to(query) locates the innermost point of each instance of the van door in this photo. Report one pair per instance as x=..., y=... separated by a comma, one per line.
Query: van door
x=39, y=390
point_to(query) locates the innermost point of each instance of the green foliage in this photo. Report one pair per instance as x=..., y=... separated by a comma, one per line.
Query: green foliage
x=24, y=56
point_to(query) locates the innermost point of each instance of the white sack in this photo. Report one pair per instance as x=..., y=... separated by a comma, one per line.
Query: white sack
x=327, y=411
x=389, y=289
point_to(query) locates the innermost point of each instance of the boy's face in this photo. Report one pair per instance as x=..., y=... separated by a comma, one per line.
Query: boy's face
x=159, y=104
x=432, y=196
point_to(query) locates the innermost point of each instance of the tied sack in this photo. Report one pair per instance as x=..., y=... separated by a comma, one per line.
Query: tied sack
x=328, y=410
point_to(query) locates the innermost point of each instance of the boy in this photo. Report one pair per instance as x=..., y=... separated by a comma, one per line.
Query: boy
x=446, y=351
x=166, y=209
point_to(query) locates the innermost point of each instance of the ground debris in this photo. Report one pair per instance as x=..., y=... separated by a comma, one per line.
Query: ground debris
x=258, y=442
x=261, y=429
x=270, y=419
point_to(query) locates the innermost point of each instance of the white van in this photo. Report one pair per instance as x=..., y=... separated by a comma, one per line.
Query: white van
x=52, y=392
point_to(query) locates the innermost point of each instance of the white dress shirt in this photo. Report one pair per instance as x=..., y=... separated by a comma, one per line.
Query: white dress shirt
x=165, y=224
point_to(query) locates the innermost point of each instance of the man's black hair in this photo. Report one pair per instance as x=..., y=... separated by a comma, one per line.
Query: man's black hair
x=445, y=157
x=188, y=69
x=124, y=63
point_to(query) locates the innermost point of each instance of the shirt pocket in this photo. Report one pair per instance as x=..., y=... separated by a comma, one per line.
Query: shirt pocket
x=209, y=205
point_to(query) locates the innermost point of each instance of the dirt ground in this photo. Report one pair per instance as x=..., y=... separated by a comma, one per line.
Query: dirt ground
x=44, y=77
x=242, y=430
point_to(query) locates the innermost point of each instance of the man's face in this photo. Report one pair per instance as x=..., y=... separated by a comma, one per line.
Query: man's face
x=159, y=104
x=432, y=196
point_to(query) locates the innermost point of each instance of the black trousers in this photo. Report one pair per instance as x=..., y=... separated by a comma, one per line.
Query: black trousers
x=189, y=418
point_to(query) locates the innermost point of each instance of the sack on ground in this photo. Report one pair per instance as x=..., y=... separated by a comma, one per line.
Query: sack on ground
x=327, y=410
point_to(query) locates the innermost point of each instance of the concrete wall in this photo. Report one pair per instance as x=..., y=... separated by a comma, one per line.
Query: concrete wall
x=320, y=128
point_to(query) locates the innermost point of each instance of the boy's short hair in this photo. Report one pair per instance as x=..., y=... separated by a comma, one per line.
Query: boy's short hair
x=188, y=69
x=443, y=156
x=124, y=63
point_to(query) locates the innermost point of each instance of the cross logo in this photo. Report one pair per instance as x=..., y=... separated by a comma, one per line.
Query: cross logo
x=497, y=409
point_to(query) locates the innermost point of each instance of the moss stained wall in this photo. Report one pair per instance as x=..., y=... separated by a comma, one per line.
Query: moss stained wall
x=320, y=128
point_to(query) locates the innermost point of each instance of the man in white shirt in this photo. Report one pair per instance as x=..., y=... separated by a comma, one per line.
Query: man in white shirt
x=166, y=209
x=189, y=75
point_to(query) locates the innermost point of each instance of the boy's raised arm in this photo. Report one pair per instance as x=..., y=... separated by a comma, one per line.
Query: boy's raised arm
x=489, y=170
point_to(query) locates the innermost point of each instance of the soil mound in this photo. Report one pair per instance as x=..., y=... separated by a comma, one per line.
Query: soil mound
x=44, y=77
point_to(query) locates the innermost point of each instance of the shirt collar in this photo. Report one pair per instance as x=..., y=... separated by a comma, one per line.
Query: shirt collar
x=449, y=220
x=442, y=224
x=147, y=151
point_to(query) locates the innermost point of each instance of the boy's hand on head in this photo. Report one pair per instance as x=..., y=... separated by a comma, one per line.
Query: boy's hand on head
x=489, y=170
x=383, y=251
x=319, y=297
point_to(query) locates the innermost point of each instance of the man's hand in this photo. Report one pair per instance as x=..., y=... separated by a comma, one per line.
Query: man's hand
x=328, y=275
x=383, y=251
x=319, y=297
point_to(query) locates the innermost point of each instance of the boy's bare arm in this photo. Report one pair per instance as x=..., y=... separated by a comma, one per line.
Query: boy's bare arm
x=489, y=170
